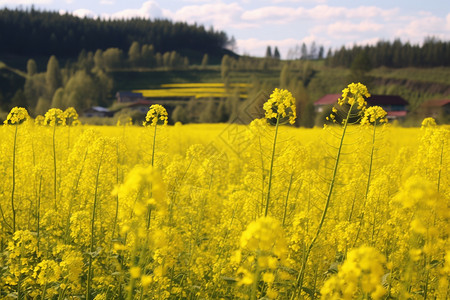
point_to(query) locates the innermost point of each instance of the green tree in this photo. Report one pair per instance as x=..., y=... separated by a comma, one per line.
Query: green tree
x=112, y=58
x=205, y=60
x=81, y=91
x=225, y=67
x=58, y=99
x=53, y=78
x=98, y=59
x=276, y=53
x=134, y=55
x=268, y=52
x=222, y=112
x=208, y=114
x=285, y=76
x=359, y=68
x=148, y=56
x=42, y=106
x=179, y=114
x=31, y=67
x=304, y=52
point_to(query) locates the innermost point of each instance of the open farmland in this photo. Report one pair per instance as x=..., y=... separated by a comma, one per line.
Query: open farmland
x=225, y=211
x=196, y=90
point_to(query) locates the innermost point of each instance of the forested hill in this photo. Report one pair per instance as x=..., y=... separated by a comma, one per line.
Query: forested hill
x=34, y=33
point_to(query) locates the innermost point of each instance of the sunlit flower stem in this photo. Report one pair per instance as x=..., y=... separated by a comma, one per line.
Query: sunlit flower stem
x=54, y=161
x=74, y=189
x=301, y=274
x=91, y=247
x=440, y=167
x=369, y=177
x=116, y=214
x=271, y=166
x=38, y=211
x=14, y=179
x=154, y=145
x=253, y=295
x=287, y=198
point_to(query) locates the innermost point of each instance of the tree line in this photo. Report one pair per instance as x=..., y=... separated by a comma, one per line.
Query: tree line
x=32, y=33
x=432, y=53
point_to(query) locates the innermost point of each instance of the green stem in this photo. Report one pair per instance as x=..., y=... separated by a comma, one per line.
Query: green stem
x=91, y=247
x=367, y=184
x=154, y=145
x=38, y=208
x=54, y=162
x=14, y=180
x=117, y=196
x=271, y=166
x=287, y=198
x=301, y=274
x=440, y=167
x=256, y=279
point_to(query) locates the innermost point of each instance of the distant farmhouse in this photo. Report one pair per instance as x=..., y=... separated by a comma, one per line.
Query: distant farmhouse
x=436, y=108
x=127, y=97
x=97, y=111
x=395, y=106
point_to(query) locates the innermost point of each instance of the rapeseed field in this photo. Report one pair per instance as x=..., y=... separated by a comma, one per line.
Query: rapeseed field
x=358, y=209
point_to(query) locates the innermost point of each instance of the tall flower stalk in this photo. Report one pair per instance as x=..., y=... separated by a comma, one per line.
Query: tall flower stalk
x=16, y=116
x=94, y=211
x=157, y=115
x=70, y=119
x=54, y=117
x=352, y=96
x=373, y=115
x=280, y=109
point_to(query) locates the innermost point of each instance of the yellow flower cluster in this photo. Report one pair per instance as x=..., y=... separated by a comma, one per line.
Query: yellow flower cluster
x=281, y=107
x=359, y=276
x=374, y=115
x=157, y=115
x=355, y=93
x=263, y=252
x=71, y=117
x=54, y=117
x=17, y=115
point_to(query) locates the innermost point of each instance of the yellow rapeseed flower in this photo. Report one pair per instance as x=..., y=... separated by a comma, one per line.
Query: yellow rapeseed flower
x=17, y=115
x=281, y=105
x=157, y=115
x=374, y=114
x=54, y=116
x=354, y=93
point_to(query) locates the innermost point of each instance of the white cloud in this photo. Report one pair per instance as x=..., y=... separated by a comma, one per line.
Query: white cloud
x=107, y=2
x=221, y=15
x=284, y=14
x=149, y=9
x=419, y=28
x=298, y=1
x=346, y=27
x=448, y=22
x=82, y=12
x=24, y=2
x=274, y=14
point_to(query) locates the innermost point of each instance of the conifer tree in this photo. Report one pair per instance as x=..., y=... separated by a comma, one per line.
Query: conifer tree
x=53, y=78
x=276, y=53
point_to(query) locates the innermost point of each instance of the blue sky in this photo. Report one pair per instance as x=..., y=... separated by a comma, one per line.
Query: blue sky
x=282, y=23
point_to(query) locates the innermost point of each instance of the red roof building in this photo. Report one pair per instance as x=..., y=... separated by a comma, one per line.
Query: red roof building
x=436, y=108
x=395, y=106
